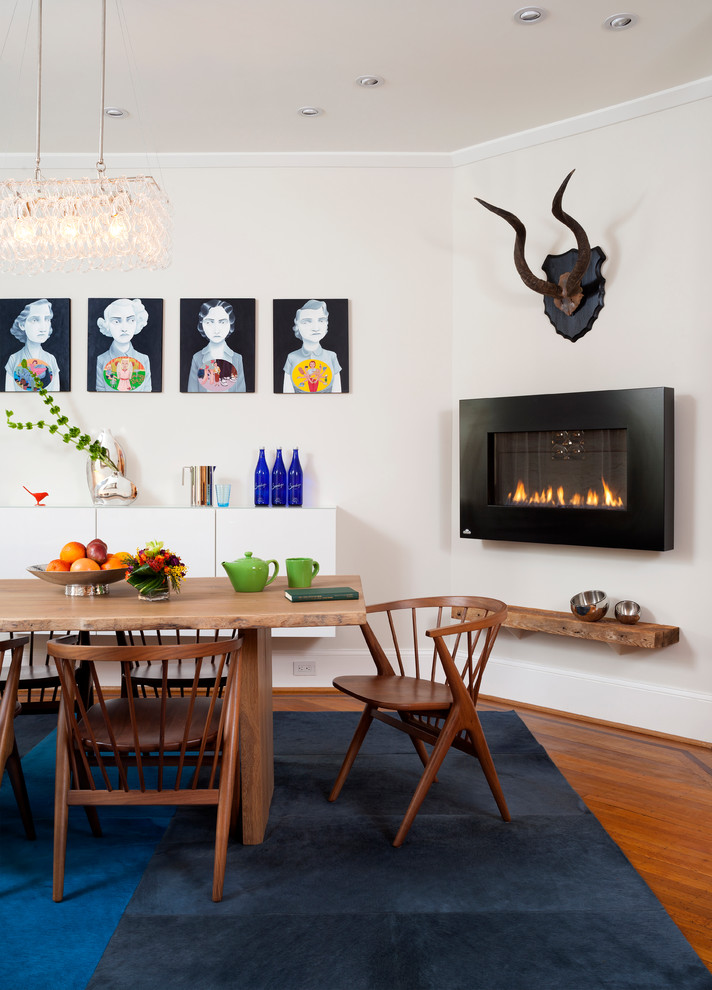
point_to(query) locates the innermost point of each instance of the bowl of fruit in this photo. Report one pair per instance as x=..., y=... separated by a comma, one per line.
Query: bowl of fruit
x=83, y=569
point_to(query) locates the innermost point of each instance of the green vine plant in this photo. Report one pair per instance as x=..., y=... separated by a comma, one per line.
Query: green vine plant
x=68, y=434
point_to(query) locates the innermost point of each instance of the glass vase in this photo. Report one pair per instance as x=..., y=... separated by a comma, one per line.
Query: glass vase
x=160, y=594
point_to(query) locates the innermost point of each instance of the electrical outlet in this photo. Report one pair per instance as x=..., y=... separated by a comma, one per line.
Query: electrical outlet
x=304, y=667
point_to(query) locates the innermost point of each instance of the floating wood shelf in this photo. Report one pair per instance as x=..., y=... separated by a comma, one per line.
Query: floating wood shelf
x=648, y=635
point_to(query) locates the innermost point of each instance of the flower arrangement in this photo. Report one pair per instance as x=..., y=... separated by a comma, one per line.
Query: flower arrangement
x=154, y=570
x=72, y=434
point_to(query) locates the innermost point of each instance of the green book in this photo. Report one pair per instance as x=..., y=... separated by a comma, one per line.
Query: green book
x=319, y=594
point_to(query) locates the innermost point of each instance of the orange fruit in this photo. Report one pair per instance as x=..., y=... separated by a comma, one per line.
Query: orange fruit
x=113, y=561
x=57, y=565
x=84, y=564
x=72, y=551
x=123, y=557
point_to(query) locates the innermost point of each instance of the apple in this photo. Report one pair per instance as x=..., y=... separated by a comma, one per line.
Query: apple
x=96, y=550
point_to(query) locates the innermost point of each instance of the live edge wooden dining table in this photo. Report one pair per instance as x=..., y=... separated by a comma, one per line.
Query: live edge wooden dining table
x=206, y=604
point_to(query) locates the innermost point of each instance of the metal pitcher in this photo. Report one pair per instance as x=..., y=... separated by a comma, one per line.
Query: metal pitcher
x=201, y=483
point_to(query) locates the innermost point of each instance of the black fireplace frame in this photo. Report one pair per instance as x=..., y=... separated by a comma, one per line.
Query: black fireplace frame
x=647, y=521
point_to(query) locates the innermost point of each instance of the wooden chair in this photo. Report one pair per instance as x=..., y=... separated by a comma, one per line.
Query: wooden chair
x=435, y=706
x=147, y=676
x=9, y=708
x=137, y=751
x=38, y=686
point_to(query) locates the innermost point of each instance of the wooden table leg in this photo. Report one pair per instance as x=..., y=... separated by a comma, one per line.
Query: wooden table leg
x=256, y=736
x=86, y=689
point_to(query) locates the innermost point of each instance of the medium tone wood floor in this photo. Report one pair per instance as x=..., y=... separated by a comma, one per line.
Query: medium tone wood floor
x=652, y=794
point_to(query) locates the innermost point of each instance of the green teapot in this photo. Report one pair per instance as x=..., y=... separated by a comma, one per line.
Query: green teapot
x=250, y=573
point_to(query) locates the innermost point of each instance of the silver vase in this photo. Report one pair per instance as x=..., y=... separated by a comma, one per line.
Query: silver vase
x=115, y=490
x=107, y=485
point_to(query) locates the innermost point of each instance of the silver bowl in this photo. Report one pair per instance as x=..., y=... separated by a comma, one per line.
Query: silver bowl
x=589, y=605
x=628, y=612
x=80, y=583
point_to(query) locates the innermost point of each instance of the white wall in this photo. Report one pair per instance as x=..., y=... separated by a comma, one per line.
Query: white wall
x=380, y=237
x=437, y=314
x=641, y=189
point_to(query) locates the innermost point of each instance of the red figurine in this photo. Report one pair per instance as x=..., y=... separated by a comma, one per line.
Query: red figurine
x=38, y=496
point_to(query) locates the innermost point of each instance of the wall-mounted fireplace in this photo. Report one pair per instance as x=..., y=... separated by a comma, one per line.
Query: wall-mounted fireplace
x=580, y=468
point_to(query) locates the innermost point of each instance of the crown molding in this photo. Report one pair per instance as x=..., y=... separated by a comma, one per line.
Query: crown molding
x=142, y=162
x=700, y=89
x=667, y=99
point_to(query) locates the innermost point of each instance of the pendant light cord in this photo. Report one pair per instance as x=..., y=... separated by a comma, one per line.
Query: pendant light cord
x=38, y=174
x=100, y=166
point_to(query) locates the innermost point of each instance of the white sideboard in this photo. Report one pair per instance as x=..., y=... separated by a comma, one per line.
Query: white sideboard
x=202, y=536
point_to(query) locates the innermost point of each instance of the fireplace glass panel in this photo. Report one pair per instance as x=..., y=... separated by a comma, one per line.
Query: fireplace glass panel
x=569, y=468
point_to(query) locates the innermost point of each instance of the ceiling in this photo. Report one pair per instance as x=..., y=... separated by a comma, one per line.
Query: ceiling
x=229, y=75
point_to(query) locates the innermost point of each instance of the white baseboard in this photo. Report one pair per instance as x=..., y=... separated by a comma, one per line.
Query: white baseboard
x=655, y=707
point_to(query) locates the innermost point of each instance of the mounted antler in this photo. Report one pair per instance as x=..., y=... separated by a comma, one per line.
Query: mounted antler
x=567, y=294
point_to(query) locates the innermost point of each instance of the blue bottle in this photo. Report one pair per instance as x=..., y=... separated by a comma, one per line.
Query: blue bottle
x=261, y=480
x=294, y=480
x=279, y=480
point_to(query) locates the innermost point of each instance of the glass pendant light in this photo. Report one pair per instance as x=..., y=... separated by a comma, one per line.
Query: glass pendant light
x=105, y=224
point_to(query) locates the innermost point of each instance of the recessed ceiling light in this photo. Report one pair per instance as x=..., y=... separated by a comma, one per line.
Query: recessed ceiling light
x=309, y=111
x=115, y=112
x=369, y=81
x=529, y=15
x=619, y=22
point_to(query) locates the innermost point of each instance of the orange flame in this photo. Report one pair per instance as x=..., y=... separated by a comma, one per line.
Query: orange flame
x=610, y=497
x=547, y=496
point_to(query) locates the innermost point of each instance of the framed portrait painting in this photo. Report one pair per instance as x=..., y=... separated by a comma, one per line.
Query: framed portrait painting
x=311, y=346
x=217, y=345
x=125, y=345
x=35, y=335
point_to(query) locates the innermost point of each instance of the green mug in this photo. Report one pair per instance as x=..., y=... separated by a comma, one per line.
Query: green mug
x=301, y=571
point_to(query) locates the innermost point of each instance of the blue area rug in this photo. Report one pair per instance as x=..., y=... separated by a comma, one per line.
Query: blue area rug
x=547, y=901
x=48, y=946
x=469, y=902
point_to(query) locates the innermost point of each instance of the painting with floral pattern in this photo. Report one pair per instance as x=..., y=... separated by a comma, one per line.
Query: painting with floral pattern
x=217, y=345
x=125, y=345
x=35, y=336
x=311, y=346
